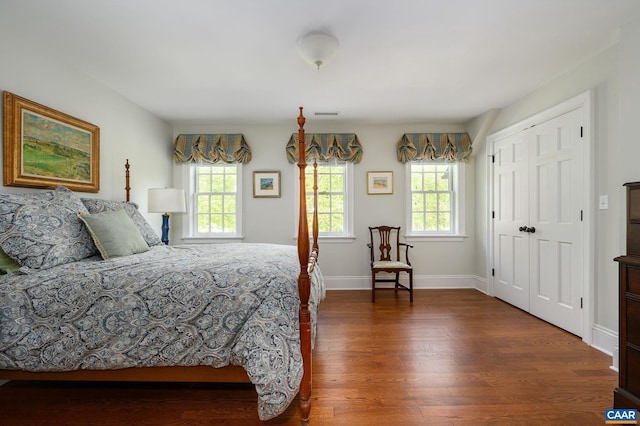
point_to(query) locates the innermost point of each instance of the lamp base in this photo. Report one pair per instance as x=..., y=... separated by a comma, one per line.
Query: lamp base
x=165, y=229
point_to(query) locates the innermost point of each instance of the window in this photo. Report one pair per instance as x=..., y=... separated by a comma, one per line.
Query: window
x=435, y=198
x=216, y=197
x=335, y=201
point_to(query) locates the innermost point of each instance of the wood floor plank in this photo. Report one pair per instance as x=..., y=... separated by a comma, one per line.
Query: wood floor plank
x=454, y=357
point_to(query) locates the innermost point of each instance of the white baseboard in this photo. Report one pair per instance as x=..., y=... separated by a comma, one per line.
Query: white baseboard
x=419, y=282
x=603, y=339
x=481, y=284
x=606, y=341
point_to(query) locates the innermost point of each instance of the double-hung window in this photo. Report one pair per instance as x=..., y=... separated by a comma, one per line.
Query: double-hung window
x=335, y=200
x=216, y=196
x=435, y=199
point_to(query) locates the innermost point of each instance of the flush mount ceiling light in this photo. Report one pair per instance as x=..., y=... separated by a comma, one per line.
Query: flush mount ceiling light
x=317, y=48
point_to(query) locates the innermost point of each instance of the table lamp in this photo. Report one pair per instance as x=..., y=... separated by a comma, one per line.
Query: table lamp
x=165, y=201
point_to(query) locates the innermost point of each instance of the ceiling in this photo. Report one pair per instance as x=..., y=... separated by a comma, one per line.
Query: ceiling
x=234, y=61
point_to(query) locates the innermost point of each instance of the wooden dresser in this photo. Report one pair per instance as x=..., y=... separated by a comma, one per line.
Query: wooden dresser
x=627, y=394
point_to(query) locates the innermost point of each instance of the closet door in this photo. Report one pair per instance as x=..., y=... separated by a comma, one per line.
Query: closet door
x=556, y=158
x=537, y=228
x=511, y=215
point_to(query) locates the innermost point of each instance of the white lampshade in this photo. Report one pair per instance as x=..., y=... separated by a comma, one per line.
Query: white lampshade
x=167, y=200
x=317, y=48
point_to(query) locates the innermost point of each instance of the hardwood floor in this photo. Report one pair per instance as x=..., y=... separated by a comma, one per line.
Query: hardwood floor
x=456, y=357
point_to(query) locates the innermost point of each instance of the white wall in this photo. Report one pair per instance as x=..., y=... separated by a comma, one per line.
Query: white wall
x=479, y=129
x=126, y=130
x=629, y=168
x=275, y=219
x=600, y=74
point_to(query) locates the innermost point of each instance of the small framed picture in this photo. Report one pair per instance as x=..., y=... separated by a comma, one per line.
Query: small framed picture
x=379, y=183
x=266, y=184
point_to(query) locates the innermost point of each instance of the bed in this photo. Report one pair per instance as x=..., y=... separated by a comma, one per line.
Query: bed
x=80, y=303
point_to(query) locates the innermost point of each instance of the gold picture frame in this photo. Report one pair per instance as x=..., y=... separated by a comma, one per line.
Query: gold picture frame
x=379, y=183
x=266, y=184
x=44, y=148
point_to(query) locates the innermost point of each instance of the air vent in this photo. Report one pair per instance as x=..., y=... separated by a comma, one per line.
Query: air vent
x=326, y=113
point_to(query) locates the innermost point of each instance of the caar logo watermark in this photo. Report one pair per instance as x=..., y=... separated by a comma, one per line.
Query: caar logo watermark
x=621, y=416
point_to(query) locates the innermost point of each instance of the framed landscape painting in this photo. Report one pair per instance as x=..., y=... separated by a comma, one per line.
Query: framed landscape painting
x=44, y=148
x=379, y=183
x=266, y=184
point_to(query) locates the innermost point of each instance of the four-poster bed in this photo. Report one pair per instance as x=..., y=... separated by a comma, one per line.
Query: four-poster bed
x=192, y=342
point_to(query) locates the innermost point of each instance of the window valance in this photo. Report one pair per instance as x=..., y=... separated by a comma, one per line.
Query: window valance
x=211, y=148
x=326, y=146
x=434, y=146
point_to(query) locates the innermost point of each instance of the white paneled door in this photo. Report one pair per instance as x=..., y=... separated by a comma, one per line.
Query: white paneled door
x=511, y=214
x=537, y=239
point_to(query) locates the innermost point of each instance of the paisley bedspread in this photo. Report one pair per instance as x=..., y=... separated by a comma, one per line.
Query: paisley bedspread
x=216, y=305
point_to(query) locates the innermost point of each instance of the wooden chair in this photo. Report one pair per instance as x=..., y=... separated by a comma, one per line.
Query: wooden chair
x=385, y=240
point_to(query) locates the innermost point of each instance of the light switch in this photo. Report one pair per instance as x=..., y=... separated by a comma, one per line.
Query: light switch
x=604, y=202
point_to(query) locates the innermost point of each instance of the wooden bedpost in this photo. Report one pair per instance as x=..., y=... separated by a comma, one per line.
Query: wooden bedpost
x=315, y=249
x=304, y=282
x=127, y=188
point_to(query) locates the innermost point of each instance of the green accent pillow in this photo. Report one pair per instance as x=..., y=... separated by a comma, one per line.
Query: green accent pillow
x=114, y=233
x=7, y=264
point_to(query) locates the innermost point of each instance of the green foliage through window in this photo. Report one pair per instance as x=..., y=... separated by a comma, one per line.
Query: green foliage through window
x=216, y=198
x=431, y=197
x=331, y=198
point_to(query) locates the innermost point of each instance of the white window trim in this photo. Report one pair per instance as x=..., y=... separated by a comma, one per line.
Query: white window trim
x=188, y=224
x=459, y=231
x=348, y=235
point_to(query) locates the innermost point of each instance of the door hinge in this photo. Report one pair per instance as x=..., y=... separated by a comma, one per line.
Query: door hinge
x=581, y=303
x=493, y=272
x=493, y=158
x=581, y=215
x=581, y=129
x=493, y=214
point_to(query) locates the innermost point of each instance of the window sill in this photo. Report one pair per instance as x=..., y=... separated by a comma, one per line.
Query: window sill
x=209, y=240
x=333, y=239
x=449, y=238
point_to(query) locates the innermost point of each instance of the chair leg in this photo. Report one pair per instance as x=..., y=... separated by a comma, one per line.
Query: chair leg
x=411, y=286
x=373, y=287
x=397, y=282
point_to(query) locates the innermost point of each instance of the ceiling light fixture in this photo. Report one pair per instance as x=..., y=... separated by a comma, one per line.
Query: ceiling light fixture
x=317, y=48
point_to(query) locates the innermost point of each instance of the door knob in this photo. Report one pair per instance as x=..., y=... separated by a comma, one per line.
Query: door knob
x=532, y=230
x=523, y=229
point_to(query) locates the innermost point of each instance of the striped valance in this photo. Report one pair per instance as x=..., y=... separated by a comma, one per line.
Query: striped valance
x=211, y=148
x=326, y=146
x=434, y=146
